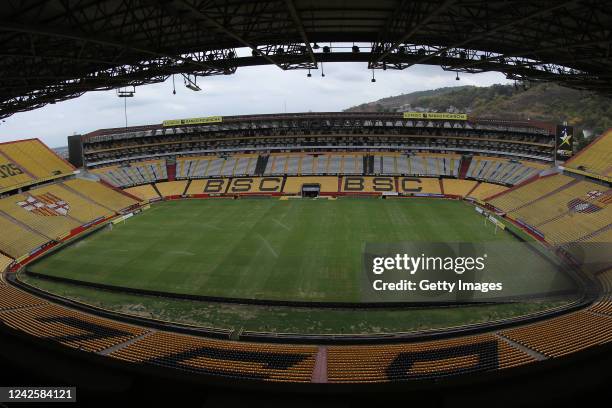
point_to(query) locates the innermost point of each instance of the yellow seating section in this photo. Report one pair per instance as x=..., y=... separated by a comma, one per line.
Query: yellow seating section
x=5, y=261
x=207, y=186
x=16, y=240
x=382, y=363
x=101, y=194
x=295, y=363
x=595, y=158
x=145, y=192
x=427, y=185
x=564, y=334
x=33, y=158
x=81, y=208
x=13, y=298
x=530, y=192
x=52, y=226
x=293, y=185
x=458, y=187
x=171, y=188
x=70, y=328
x=553, y=205
x=485, y=190
x=574, y=225
x=256, y=185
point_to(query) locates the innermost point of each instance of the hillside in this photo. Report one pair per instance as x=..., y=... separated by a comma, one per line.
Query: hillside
x=584, y=110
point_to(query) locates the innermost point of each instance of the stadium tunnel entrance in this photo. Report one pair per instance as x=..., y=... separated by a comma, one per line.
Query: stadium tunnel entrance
x=311, y=190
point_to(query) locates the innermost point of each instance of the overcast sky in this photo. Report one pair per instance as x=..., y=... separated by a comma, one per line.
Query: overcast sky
x=264, y=89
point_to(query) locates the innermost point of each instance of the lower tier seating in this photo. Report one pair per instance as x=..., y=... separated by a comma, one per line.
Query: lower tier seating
x=101, y=194
x=16, y=240
x=382, y=363
x=171, y=188
x=145, y=192
x=70, y=328
x=564, y=334
x=529, y=192
x=486, y=190
x=206, y=356
x=458, y=187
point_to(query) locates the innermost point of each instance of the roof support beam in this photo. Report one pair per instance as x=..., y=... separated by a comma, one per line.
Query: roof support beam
x=414, y=29
x=300, y=27
x=226, y=31
x=494, y=30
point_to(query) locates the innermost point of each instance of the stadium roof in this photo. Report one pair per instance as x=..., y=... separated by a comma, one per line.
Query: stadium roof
x=52, y=50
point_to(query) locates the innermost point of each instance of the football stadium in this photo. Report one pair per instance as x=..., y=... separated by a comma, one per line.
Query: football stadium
x=235, y=252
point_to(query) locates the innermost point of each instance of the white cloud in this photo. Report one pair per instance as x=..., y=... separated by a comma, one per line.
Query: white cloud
x=250, y=90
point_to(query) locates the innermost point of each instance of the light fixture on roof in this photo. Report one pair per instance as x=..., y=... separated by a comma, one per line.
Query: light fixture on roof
x=126, y=92
x=309, y=74
x=191, y=83
x=315, y=46
x=355, y=49
x=326, y=49
x=457, y=77
x=373, y=78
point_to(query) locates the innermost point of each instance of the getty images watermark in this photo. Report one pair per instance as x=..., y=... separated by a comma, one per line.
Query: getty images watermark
x=461, y=272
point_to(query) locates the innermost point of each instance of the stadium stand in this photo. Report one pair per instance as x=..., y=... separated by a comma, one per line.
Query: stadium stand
x=70, y=328
x=553, y=205
x=293, y=185
x=5, y=261
x=17, y=239
x=564, y=334
x=502, y=171
x=527, y=193
x=486, y=190
x=171, y=188
x=595, y=158
x=458, y=187
x=107, y=197
x=422, y=360
x=29, y=161
x=245, y=360
x=146, y=192
x=133, y=174
x=13, y=298
x=45, y=214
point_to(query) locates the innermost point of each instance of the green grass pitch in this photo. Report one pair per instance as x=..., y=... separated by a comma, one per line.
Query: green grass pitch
x=306, y=250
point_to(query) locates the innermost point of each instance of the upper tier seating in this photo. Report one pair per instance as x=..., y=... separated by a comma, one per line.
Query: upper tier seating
x=194, y=167
x=595, y=158
x=133, y=174
x=29, y=161
x=499, y=170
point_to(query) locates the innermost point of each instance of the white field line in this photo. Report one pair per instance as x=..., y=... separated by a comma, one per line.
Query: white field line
x=267, y=244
